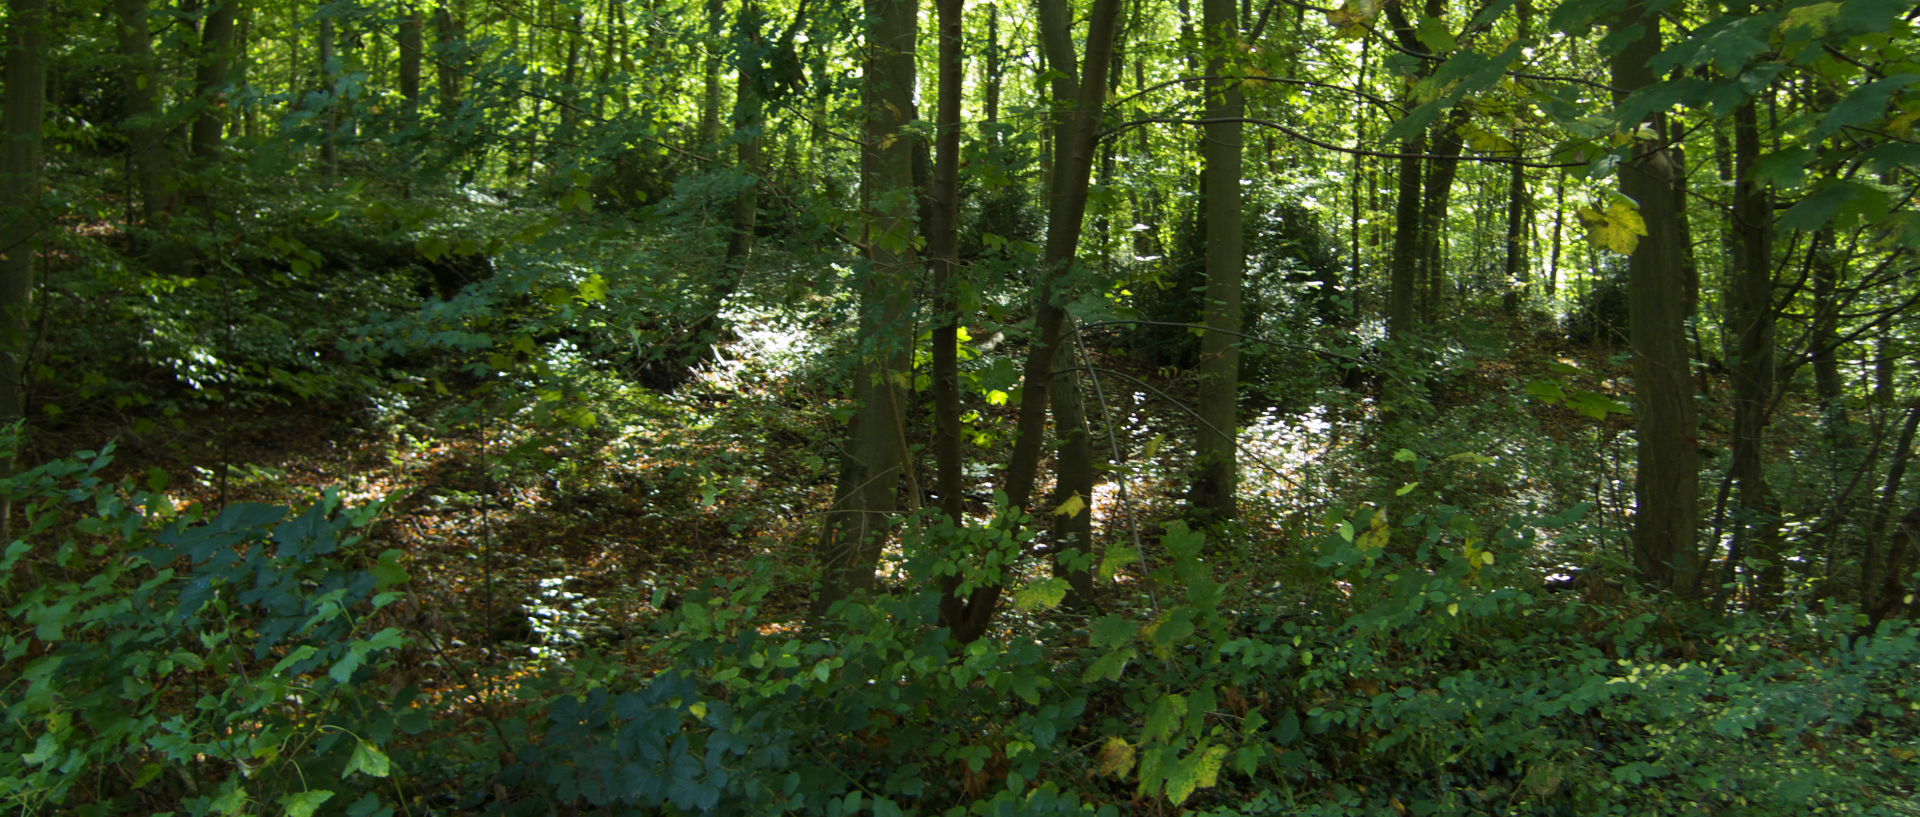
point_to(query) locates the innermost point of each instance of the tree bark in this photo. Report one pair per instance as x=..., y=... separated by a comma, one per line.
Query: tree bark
x=210, y=79
x=20, y=179
x=1750, y=306
x=868, y=495
x=1666, y=481
x=410, y=52
x=1442, y=168
x=942, y=242
x=1215, y=485
x=149, y=156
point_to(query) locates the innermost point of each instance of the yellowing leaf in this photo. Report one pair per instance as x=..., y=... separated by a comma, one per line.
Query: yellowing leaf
x=1072, y=507
x=698, y=708
x=594, y=289
x=1453, y=609
x=1617, y=228
x=1812, y=17
x=1048, y=593
x=1116, y=757
x=1377, y=533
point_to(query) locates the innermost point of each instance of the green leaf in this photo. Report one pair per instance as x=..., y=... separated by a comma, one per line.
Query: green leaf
x=387, y=572
x=1864, y=104
x=1547, y=390
x=1111, y=630
x=1110, y=666
x=368, y=759
x=1043, y=594
x=1432, y=33
x=594, y=289
x=303, y=804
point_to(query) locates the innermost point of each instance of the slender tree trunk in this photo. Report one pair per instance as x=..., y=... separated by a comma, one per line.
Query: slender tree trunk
x=710, y=75
x=942, y=242
x=330, y=82
x=20, y=125
x=150, y=158
x=410, y=50
x=449, y=54
x=1219, y=377
x=1518, y=278
x=1559, y=224
x=1873, y=572
x=868, y=495
x=1750, y=308
x=1078, y=96
x=1666, y=481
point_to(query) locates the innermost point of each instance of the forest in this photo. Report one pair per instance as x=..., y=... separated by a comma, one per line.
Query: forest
x=933, y=407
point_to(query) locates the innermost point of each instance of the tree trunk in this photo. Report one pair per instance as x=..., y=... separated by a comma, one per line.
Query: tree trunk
x=1750, y=308
x=1666, y=481
x=1518, y=280
x=1219, y=370
x=410, y=48
x=869, y=491
x=1405, y=271
x=942, y=242
x=1442, y=167
x=149, y=157
x=449, y=54
x=330, y=93
x=20, y=126
x=710, y=75
x=1873, y=572
x=210, y=80
x=1078, y=95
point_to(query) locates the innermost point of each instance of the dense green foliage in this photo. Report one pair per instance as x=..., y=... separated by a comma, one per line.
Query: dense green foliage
x=555, y=408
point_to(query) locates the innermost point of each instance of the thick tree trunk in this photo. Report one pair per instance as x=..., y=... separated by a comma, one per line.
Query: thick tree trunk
x=1079, y=93
x=1215, y=485
x=868, y=495
x=1442, y=168
x=1666, y=481
x=1405, y=264
x=149, y=158
x=211, y=77
x=20, y=126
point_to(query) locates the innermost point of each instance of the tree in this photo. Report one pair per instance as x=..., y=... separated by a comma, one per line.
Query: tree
x=875, y=463
x=1079, y=84
x=20, y=190
x=1219, y=384
x=1666, y=509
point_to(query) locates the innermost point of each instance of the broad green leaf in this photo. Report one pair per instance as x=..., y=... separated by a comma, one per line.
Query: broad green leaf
x=368, y=759
x=1110, y=666
x=1111, y=630
x=303, y=804
x=1433, y=33
x=1046, y=593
